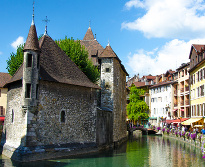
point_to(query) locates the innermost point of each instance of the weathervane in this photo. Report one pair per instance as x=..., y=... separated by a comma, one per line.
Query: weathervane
x=33, y=14
x=46, y=21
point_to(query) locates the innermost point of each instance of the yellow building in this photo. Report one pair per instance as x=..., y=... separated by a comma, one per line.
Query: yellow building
x=197, y=81
x=4, y=77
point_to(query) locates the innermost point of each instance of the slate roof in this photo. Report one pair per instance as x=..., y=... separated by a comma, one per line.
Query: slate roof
x=55, y=65
x=108, y=52
x=32, y=40
x=92, y=46
x=4, y=78
x=89, y=35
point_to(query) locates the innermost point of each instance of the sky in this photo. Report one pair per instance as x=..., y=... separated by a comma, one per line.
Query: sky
x=149, y=36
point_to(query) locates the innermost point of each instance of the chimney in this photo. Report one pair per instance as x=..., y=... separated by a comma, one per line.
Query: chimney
x=157, y=79
x=163, y=78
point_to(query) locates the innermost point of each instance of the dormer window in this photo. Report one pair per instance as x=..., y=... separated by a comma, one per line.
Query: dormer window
x=29, y=60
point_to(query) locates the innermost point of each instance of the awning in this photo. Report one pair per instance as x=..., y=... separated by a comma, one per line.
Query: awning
x=169, y=121
x=2, y=119
x=176, y=121
x=191, y=120
x=182, y=109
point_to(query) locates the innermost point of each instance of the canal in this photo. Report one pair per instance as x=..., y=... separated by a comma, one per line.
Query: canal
x=146, y=151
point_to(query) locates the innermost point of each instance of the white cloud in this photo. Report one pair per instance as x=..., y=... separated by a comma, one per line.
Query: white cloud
x=182, y=19
x=158, y=61
x=1, y=53
x=17, y=42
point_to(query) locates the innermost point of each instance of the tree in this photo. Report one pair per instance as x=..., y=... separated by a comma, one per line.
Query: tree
x=15, y=60
x=137, y=108
x=72, y=48
x=79, y=56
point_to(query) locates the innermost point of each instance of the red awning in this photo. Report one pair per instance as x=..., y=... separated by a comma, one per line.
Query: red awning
x=182, y=109
x=176, y=120
x=169, y=121
x=2, y=119
x=179, y=121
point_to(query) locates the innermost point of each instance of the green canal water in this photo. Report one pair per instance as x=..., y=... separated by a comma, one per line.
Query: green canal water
x=153, y=151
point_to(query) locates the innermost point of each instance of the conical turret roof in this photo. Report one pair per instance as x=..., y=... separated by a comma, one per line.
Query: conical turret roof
x=108, y=52
x=32, y=40
x=89, y=35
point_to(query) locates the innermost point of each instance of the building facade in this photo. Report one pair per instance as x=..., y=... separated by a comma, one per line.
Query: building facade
x=181, y=93
x=197, y=80
x=161, y=102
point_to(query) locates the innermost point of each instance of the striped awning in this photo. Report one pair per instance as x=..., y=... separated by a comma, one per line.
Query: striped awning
x=191, y=120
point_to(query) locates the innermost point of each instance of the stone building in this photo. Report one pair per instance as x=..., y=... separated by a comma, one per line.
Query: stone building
x=52, y=105
x=112, y=82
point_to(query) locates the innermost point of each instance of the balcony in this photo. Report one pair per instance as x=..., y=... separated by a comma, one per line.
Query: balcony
x=187, y=88
x=182, y=90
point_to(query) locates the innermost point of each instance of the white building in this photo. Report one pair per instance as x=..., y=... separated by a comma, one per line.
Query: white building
x=161, y=102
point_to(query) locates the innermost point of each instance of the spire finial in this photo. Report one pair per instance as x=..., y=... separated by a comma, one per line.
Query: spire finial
x=108, y=43
x=46, y=21
x=89, y=23
x=33, y=14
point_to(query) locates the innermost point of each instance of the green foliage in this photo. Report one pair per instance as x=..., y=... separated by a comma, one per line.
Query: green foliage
x=15, y=60
x=79, y=56
x=137, y=108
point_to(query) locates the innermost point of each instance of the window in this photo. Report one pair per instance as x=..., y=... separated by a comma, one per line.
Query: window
x=107, y=69
x=28, y=91
x=29, y=60
x=1, y=110
x=62, y=116
x=0, y=92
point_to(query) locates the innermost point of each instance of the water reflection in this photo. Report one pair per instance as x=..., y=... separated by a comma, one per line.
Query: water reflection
x=146, y=151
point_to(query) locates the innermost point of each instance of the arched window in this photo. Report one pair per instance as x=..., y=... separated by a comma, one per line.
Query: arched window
x=62, y=116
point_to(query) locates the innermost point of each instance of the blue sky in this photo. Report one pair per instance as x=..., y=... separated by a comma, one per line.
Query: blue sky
x=149, y=36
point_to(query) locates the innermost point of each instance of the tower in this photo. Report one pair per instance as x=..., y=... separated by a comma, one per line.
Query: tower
x=31, y=69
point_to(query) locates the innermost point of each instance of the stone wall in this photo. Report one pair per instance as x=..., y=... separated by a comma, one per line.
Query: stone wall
x=119, y=103
x=79, y=105
x=104, y=127
x=107, y=79
x=15, y=128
